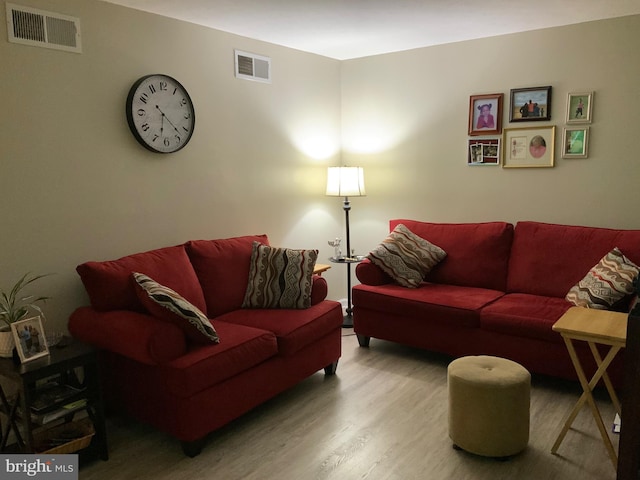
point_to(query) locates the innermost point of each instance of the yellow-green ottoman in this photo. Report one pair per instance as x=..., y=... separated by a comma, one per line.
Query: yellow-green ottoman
x=489, y=401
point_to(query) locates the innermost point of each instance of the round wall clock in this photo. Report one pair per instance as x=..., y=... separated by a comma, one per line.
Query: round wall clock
x=160, y=113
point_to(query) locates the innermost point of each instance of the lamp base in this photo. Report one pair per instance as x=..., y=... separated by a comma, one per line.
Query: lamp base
x=347, y=321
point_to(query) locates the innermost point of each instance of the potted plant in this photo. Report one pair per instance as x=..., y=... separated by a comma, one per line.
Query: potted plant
x=14, y=307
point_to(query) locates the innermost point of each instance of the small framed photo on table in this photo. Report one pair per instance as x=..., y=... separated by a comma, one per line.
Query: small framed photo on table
x=575, y=141
x=579, y=107
x=528, y=147
x=29, y=338
x=530, y=104
x=485, y=114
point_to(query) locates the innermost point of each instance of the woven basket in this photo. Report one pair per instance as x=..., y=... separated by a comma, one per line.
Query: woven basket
x=6, y=344
x=78, y=434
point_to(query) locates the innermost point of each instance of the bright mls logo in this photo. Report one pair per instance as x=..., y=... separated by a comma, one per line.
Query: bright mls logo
x=49, y=467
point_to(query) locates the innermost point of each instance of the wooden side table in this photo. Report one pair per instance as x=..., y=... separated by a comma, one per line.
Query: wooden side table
x=594, y=327
x=61, y=363
x=320, y=268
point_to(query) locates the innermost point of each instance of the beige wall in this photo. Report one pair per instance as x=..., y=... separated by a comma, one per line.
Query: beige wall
x=405, y=120
x=76, y=186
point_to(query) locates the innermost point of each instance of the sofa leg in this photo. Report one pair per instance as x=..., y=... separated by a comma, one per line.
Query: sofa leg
x=331, y=368
x=193, y=448
x=363, y=340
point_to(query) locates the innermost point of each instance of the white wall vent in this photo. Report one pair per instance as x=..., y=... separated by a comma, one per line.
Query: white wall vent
x=253, y=67
x=31, y=26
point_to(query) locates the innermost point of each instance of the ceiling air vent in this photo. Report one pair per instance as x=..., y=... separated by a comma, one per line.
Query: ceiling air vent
x=31, y=26
x=253, y=67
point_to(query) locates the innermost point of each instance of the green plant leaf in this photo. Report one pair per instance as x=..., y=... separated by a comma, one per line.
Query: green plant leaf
x=13, y=307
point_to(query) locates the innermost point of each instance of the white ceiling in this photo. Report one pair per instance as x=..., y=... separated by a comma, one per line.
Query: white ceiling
x=344, y=29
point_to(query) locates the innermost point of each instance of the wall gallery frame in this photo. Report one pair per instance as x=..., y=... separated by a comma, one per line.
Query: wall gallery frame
x=530, y=104
x=484, y=151
x=485, y=114
x=528, y=147
x=30, y=339
x=579, y=105
x=575, y=142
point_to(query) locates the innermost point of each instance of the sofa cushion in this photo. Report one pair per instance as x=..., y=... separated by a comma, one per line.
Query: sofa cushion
x=477, y=253
x=164, y=303
x=523, y=315
x=608, y=282
x=279, y=277
x=406, y=257
x=241, y=348
x=222, y=266
x=111, y=287
x=549, y=259
x=431, y=302
x=295, y=329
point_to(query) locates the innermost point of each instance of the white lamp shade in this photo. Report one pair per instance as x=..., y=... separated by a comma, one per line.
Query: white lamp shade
x=345, y=182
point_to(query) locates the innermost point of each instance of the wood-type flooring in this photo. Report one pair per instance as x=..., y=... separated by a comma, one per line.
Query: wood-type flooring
x=383, y=416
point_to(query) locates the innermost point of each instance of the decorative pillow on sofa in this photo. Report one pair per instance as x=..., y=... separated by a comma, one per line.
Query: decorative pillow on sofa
x=609, y=281
x=166, y=304
x=279, y=277
x=406, y=257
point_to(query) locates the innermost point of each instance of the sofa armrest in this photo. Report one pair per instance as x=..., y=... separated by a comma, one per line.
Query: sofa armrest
x=138, y=336
x=370, y=274
x=319, y=289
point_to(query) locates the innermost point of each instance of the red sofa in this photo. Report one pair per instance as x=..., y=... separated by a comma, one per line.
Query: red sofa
x=159, y=376
x=498, y=292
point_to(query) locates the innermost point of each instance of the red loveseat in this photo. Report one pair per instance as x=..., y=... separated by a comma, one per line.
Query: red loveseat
x=155, y=372
x=498, y=292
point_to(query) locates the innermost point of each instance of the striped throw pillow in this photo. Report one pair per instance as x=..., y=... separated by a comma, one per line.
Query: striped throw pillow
x=609, y=281
x=279, y=277
x=164, y=303
x=406, y=257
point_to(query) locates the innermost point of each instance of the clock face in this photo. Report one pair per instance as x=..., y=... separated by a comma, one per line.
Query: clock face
x=160, y=113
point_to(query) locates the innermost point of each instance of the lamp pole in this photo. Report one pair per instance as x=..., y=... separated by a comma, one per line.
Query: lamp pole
x=349, y=320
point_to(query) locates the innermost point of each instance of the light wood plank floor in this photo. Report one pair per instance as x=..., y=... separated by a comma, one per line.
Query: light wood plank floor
x=383, y=416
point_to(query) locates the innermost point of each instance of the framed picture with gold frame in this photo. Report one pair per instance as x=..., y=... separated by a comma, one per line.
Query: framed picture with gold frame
x=528, y=147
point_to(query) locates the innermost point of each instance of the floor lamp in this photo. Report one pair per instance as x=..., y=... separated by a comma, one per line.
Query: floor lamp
x=346, y=182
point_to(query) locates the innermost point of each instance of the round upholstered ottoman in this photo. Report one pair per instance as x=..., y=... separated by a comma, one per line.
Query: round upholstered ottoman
x=488, y=405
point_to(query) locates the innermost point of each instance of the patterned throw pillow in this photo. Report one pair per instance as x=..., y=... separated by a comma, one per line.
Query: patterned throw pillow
x=606, y=283
x=166, y=304
x=406, y=257
x=279, y=277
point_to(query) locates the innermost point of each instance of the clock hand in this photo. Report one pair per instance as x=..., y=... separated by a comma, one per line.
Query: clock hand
x=165, y=117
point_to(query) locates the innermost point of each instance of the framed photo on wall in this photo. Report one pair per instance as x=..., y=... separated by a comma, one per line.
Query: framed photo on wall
x=528, y=147
x=579, y=107
x=29, y=338
x=575, y=142
x=484, y=151
x=485, y=114
x=530, y=104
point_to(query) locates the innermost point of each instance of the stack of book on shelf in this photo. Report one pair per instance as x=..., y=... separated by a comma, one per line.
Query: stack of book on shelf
x=54, y=401
x=44, y=418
